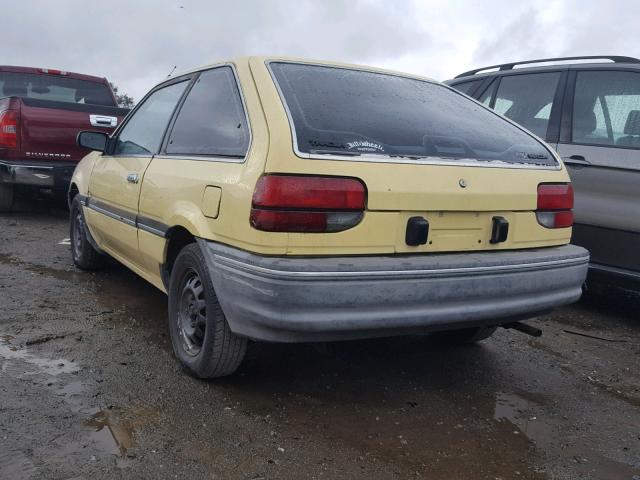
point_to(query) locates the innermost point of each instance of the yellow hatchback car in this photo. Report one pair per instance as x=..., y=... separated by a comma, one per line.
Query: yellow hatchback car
x=291, y=201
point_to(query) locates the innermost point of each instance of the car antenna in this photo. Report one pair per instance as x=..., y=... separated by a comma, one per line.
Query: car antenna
x=172, y=70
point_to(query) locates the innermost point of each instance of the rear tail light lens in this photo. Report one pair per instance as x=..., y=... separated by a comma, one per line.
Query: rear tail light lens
x=294, y=203
x=9, y=129
x=555, y=204
x=53, y=71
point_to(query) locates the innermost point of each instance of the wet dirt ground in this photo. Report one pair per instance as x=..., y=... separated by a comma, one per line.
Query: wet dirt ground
x=89, y=389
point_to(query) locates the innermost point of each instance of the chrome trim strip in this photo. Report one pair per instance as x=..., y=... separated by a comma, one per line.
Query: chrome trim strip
x=111, y=214
x=152, y=230
x=152, y=226
x=229, y=262
x=141, y=222
x=389, y=159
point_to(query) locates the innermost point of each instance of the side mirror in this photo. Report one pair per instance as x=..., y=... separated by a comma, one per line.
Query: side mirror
x=93, y=140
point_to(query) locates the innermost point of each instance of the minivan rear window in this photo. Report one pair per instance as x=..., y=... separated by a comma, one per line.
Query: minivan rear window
x=57, y=88
x=348, y=112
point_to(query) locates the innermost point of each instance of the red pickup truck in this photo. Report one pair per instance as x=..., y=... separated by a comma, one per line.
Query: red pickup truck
x=41, y=113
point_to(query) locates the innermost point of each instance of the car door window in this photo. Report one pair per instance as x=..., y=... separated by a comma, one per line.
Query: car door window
x=606, y=109
x=212, y=120
x=527, y=99
x=143, y=132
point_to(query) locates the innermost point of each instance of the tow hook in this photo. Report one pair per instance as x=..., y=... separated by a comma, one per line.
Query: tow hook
x=524, y=328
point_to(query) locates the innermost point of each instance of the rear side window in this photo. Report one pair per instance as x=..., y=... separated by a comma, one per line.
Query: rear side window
x=212, y=120
x=339, y=111
x=58, y=88
x=606, y=108
x=527, y=99
x=143, y=132
x=467, y=87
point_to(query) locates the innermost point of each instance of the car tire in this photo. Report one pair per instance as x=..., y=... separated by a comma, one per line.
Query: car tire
x=6, y=197
x=200, y=334
x=465, y=336
x=85, y=256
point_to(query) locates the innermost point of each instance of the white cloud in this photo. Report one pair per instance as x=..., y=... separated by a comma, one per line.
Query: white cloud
x=136, y=44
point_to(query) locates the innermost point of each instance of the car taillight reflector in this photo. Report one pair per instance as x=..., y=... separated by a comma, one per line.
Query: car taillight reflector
x=555, y=204
x=9, y=129
x=561, y=219
x=296, y=203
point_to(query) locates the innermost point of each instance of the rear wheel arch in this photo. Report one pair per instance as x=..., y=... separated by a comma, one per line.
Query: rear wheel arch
x=178, y=237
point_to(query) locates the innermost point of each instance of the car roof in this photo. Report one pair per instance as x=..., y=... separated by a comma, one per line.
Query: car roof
x=562, y=63
x=266, y=59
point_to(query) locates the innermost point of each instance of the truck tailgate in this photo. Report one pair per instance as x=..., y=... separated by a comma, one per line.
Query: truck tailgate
x=48, y=129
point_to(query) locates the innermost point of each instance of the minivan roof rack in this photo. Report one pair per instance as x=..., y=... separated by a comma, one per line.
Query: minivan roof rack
x=509, y=66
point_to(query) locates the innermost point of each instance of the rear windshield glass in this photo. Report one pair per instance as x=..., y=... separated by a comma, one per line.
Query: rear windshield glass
x=54, y=87
x=338, y=111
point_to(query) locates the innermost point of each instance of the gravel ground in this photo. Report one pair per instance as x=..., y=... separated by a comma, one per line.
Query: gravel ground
x=89, y=389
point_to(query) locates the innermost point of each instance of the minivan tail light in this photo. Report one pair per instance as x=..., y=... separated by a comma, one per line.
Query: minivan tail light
x=9, y=129
x=312, y=204
x=555, y=204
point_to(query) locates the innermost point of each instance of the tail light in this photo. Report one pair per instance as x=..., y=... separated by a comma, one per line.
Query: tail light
x=52, y=71
x=9, y=129
x=295, y=203
x=555, y=204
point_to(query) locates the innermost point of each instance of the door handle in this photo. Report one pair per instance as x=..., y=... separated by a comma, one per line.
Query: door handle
x=132, y=178
x=576, y=161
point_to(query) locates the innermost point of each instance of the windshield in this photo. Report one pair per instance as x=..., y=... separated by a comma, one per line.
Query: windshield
x=350, y=112
x=54, y=87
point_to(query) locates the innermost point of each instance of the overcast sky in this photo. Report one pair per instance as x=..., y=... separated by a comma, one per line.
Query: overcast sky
x=136, y=43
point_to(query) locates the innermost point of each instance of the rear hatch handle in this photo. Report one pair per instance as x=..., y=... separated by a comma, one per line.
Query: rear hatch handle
x=576, y=161
x=103, y=120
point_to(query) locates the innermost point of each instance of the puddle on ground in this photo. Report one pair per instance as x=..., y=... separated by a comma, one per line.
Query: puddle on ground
x=12, y=354
x=112, y=434
x=520, y=410
x=67, y=275
x=113, y=430
x=523, y=411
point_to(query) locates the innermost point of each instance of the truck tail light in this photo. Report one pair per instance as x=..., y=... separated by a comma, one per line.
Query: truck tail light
x=52, y=71
x=555, y=205
x=9, y=129
x=312, y=204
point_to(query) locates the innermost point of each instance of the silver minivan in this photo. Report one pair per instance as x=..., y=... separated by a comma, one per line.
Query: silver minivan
x=588, y=109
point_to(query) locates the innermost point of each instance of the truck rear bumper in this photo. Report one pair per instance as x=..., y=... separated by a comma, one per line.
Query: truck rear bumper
x=44, y=175
x=323, y=299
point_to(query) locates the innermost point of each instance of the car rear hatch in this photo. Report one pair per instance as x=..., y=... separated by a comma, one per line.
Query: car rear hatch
x=440, y=171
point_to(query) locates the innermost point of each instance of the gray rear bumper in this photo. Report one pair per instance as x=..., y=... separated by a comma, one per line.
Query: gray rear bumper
x=322, y=299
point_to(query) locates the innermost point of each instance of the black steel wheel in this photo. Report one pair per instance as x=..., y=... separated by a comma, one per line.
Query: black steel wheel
x=85, y=256
x=200, y=334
